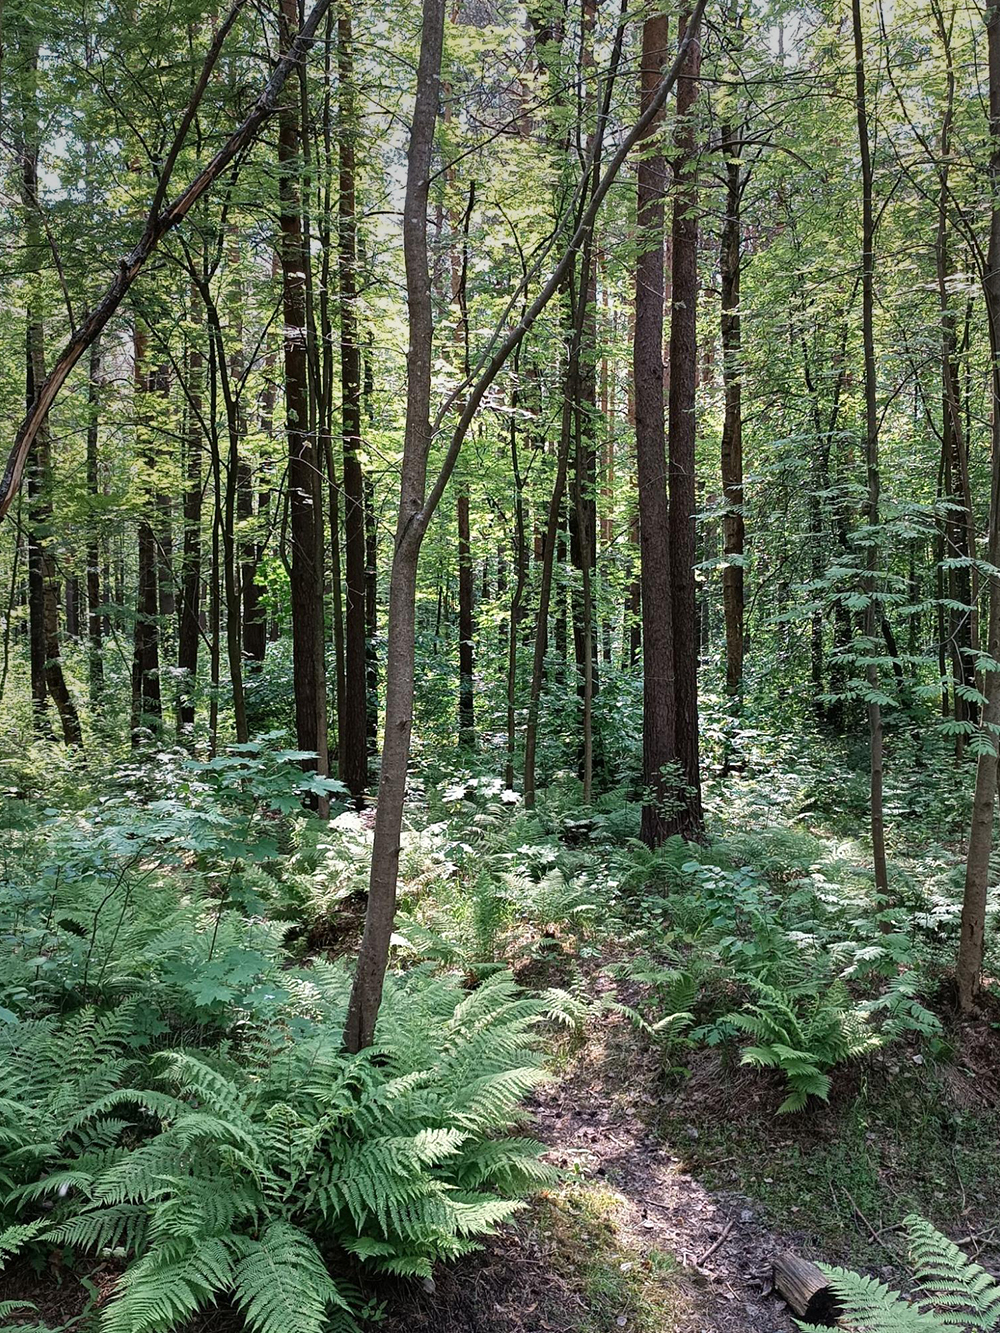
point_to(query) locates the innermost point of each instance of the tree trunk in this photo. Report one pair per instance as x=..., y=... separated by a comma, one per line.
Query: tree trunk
x=417, y=506
x=353, y=737
x=659, y=754
x=189, y=627
x=466, y=705
x=303, y=474
x=683, y=380
x=95, y=658
x=977, y=864
x=871, y=452
x=146, y=703
x=733, y=531
x=366, y=992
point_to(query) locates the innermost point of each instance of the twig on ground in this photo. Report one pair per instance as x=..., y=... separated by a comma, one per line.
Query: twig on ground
x=715, y=1244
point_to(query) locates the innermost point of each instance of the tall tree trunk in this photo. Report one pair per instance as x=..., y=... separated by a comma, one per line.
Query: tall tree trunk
x=977, y=863
x=466, y=704
x=353, y=738
x=226, y=497
x=371, y=616
x=95, y=627
x=189, y=624
x=146, y=703
x=659, y=753
x=303, y=472
x=871, y=451
x=681, y=420
x=366, y=992
x=47, y=678
x=733, y=529
x=418, y=505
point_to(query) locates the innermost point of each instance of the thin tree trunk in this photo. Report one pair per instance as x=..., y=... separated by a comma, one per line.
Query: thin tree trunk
x=146, y=702
x=977, y=864
x=466, y=704
x=418, y=504
x=366, y=992
x=871, y=452
x=95, y=656
x=303, y=473
x=733, y=529
x=189, y=626
x=353, y=738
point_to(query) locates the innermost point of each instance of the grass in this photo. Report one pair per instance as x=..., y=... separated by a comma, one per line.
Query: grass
x=894, y=1143
x=620, y=1285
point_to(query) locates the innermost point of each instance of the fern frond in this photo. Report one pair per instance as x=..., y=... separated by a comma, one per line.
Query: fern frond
x=281, y=1283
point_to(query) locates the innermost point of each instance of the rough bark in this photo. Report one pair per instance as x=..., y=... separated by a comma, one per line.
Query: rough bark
x=659, y=753
x=303, y=472
x=681, y=425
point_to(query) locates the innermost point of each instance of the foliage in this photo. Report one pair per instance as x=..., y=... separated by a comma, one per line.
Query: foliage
x=956, y=1293
x=804, y=1033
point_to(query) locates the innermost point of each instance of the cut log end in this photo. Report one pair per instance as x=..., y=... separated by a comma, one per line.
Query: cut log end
x=805, y=1289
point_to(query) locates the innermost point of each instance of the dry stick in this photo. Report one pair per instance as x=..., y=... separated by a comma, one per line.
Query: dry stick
x=715, y=1244
x=157, y=226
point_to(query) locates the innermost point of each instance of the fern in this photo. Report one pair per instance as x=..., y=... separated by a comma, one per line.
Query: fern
x=233, y=1173
x=804, y=1034
x=282, y=1283
x=957, y=1294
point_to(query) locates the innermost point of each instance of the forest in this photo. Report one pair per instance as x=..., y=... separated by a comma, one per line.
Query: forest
x=499, y=666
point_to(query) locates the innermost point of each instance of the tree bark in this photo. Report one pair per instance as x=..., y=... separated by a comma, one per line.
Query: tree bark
x=146, y=702
x=189, y=626
x=733, y=527
x=366, y=992
x=353, y=737
x=977, y=864
x=303, y=473
x=659, y=752
x=95, y=627
x=681, y=419
x=418, y=504
x=871, y=453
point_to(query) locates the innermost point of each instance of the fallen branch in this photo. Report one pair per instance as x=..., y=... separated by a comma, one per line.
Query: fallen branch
x=715, y=1245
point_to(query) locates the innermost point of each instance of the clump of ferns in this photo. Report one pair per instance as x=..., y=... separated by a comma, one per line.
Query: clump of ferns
x=234, y=1173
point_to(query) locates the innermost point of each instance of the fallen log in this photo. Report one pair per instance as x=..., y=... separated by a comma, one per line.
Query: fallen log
x=806, y=1289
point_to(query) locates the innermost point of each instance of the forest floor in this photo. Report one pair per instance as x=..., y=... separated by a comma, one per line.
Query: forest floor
x=633, y=1240
x=679, y=1183
x=657, y=1228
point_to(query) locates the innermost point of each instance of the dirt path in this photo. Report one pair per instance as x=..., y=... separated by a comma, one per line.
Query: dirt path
x=594, y=1121
x=632, y=1206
